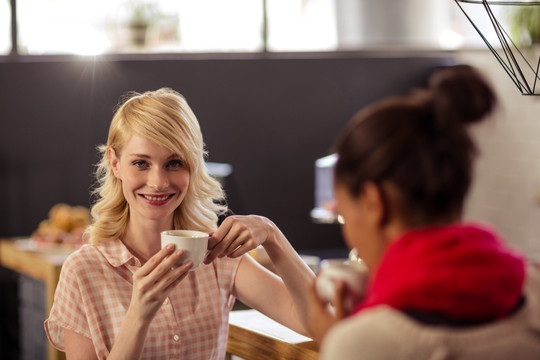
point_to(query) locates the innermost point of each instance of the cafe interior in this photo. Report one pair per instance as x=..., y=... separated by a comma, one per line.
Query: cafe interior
x=272, y=84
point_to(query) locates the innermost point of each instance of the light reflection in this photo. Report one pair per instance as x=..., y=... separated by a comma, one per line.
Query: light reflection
x=300, y=25
x=450, y=40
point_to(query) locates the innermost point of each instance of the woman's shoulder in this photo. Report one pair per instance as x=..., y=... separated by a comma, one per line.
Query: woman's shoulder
x=86, y=250
x=382, y=332
x=83, y=258
x=379, y=331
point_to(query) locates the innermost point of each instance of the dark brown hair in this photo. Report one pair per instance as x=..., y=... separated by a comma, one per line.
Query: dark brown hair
x=418, y=144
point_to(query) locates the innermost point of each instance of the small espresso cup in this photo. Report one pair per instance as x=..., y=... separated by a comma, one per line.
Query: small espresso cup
x=194, y=244
x=353, y=274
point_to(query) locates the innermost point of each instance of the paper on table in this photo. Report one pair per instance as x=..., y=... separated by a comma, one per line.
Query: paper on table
x=262, y=324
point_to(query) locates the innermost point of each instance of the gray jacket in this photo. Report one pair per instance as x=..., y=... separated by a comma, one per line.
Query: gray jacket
x=386, y=333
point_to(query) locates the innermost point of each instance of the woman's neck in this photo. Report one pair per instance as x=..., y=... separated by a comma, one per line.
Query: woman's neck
x=143, y=239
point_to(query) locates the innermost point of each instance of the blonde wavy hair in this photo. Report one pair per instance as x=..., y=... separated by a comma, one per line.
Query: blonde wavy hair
x=164, y=117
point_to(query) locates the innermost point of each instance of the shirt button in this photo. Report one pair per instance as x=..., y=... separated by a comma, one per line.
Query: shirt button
x=176, y=338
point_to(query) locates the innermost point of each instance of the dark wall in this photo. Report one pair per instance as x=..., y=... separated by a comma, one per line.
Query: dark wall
x=270, y=118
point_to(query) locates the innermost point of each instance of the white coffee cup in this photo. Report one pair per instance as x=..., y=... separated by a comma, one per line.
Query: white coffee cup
x=353, y=273
x=194, y=244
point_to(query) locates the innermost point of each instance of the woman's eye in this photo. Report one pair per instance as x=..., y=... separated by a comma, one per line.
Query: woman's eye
x=176, y=164
x=140, y=164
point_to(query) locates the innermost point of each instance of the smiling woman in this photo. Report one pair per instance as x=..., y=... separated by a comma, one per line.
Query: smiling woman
x=123, y=295
x=144, y=157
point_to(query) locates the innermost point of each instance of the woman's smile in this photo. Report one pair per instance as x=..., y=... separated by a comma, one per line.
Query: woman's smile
x=157, y=199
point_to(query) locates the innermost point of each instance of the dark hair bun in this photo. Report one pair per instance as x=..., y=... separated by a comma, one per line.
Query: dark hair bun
x=460, y=94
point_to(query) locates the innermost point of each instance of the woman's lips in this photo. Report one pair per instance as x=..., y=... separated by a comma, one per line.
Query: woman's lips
x=156, y=199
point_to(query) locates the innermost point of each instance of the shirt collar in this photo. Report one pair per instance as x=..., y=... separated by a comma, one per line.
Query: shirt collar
x=117, y=253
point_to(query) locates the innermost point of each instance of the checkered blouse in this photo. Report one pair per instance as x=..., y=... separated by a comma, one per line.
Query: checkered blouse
x=94, y=292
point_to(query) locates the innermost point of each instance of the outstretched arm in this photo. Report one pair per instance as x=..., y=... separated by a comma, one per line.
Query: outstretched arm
x=284, y=297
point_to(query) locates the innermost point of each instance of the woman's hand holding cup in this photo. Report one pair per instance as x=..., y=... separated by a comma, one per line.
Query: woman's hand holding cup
x=352, y=276
x=153, y=281
x=193, y=243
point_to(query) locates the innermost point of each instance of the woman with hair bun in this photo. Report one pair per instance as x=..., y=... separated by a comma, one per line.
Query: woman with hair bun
x=121, y=296
x=439, y=288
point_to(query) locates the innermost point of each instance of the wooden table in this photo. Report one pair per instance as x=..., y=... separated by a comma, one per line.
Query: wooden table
x=256, y=337
x=43, y=267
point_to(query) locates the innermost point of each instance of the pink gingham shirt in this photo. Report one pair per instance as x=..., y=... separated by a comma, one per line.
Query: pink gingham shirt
x=94, y=292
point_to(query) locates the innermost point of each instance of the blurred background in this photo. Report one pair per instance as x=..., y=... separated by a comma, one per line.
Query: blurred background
x=187, y=26
x=272, y=83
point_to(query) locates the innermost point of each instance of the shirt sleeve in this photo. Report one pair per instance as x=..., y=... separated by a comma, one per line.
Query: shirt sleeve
x=67, y=312
x=226, y=269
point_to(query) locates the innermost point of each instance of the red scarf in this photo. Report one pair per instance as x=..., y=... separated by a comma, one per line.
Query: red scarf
x=462, y=272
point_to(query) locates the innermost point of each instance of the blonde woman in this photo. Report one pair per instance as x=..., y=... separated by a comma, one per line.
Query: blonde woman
x=120, y=296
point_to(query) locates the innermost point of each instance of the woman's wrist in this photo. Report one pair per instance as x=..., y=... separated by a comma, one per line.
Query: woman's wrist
x=130, y=338
x=274, y=238
x=136, y=323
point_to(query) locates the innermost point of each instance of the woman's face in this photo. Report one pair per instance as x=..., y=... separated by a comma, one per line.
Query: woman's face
x=361, y=224
x=154, y=179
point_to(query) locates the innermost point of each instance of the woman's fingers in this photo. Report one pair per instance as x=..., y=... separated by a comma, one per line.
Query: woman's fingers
x=341, y=293
x=226, y=238
x=161, y=269
x=225, y=246
x=177, y=275
x=157, y=259
x=151, y=290
x=240, y=247
x=153, y=282
x=321, y=315
x=236, y=236
x=234, y=241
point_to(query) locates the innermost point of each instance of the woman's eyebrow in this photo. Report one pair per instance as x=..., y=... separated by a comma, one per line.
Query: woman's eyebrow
x=140, y=155
x=145, y=156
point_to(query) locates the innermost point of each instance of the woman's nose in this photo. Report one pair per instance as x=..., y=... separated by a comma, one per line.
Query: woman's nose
x=158, y=179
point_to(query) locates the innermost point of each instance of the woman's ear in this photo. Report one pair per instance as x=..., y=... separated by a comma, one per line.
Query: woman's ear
x=376, y=207
x=114, y=162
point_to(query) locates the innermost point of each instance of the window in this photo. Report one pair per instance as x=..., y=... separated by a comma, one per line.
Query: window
x=127, y=26
x=63, y=26
x=188, y=26
x=478, y=14
x=217, y=25
x=300, y=25
x=5, y=27
x=104, y=26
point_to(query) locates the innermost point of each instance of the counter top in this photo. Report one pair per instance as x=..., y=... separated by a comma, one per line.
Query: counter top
x=41, y=266
x=252, y=335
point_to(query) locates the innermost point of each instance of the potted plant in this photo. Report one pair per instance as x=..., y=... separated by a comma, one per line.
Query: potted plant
x=525, y=25
x=143, y=15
